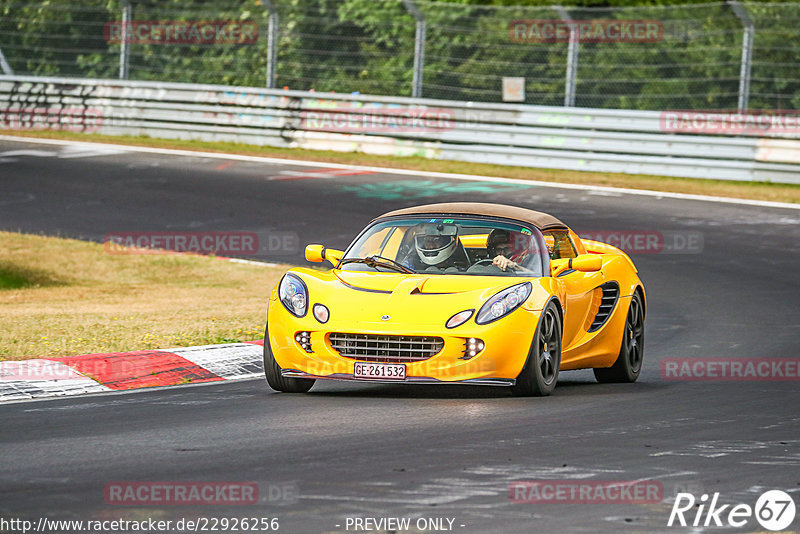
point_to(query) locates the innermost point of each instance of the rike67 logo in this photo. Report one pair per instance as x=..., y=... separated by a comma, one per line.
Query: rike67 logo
x=774, y=510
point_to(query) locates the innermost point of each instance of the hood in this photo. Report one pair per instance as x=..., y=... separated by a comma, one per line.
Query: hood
x=412, y=299
x=408, y=284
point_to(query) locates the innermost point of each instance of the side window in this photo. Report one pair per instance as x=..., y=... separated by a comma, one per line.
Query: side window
x=559, y=245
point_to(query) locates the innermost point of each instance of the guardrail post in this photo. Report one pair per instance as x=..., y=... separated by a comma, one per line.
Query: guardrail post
x=747, y=54
x=125, y=45
x=272, y=42
x=4, y=64
x=572, y=58
x=419, y=47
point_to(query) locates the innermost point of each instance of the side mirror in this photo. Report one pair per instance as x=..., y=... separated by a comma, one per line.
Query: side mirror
x=318, y=254
x=315, y=253
x=586, y=263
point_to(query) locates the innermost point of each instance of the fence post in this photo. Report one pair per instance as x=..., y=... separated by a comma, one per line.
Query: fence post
x=419, y=48
x=4, y=64
x=124, y=45
x=572, y=58
x=747, y=54
x=272, y=42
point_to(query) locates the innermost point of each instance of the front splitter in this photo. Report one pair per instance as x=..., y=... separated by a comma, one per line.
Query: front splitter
x=294, y=373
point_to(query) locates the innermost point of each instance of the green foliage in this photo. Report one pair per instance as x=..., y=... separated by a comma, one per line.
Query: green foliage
x=367, y=46
x=12, y=280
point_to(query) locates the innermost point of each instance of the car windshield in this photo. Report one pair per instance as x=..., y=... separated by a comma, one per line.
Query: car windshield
x=468, y=246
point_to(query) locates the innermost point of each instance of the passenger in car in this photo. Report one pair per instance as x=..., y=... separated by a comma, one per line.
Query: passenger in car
x=507, y=251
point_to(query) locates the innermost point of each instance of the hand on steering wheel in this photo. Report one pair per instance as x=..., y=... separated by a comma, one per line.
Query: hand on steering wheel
x=504, y=263
x=486, y=263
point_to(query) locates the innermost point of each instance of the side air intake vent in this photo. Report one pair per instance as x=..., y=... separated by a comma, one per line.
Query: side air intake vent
x=607, y=302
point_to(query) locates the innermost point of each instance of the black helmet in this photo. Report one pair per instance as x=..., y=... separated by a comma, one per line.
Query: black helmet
x=497, y=237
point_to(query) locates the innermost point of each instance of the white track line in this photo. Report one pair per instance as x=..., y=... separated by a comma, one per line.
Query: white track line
x=407, y=172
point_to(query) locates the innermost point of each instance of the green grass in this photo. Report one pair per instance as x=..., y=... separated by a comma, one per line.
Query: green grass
x=9, y=279
x=61, y=297
x=16, y=277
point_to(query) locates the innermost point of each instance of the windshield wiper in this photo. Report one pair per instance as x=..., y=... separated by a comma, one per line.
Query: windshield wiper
x=380, y=261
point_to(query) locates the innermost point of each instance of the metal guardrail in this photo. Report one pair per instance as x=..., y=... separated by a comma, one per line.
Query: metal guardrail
x=734, y=54
x=530, y=136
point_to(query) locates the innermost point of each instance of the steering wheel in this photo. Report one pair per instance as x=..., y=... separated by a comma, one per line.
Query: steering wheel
x=484, y=261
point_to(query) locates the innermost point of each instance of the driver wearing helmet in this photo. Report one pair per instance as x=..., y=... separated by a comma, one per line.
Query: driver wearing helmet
x=501, y=248
x=436, y=245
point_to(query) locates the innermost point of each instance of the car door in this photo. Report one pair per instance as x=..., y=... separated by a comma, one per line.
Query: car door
x=579, y=287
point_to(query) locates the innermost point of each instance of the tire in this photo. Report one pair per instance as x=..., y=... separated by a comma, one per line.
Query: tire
x=272, y=371
x=631, y=354
x=539, y=376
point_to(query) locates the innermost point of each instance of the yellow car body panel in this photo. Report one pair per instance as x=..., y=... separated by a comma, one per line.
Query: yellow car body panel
x=418, y=304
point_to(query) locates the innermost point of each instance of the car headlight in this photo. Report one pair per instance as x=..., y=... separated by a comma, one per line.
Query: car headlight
x=294, y=295
x=504, y=303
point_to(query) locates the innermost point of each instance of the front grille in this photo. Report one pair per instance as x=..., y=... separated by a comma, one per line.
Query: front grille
x=607, y=303
x=386, y=349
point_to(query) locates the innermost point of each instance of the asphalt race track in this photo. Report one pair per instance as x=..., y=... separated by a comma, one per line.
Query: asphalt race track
x=351, y=450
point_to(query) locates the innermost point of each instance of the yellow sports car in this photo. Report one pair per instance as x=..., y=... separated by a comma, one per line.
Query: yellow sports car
x=464, y=293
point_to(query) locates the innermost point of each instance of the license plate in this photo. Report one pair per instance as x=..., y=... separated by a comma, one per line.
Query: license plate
x=380, y=371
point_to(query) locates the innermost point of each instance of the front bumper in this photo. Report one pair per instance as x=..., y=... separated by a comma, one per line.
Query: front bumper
x=506, y=345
